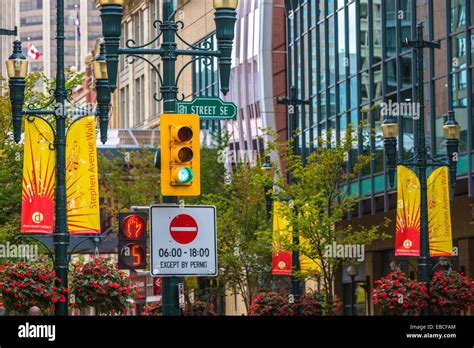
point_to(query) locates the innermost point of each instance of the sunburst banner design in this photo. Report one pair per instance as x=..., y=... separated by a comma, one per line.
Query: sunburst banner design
x=439, y=214
x=281, y=258
x=82, y=179
x=39, y=169
x=407, y=236
x=282, y=235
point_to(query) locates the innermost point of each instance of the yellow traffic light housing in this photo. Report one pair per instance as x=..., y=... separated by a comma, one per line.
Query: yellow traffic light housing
x=180, y=155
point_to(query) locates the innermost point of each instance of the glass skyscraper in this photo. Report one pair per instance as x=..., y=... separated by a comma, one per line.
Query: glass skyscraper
x=346, y=57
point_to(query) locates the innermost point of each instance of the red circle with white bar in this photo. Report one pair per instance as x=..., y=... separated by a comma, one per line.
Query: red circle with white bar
x=183, y=229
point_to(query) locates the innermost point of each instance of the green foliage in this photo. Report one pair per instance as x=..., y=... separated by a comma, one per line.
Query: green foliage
x=244, y=233
x=127, y=179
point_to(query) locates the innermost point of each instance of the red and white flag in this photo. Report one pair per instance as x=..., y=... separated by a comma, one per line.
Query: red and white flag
x=33, y=52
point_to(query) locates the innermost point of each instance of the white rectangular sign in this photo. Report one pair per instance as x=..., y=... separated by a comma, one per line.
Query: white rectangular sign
x=183, y=240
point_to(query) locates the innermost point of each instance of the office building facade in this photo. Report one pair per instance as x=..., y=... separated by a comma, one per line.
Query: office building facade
x=37, y=25
x=346, y=58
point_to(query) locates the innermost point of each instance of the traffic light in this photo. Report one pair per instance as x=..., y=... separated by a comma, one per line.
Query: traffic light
x=180, y=155
x=132, y=240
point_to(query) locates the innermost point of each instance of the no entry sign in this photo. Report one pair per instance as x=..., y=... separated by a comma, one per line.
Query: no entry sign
x=183, y=240
x=183, y=229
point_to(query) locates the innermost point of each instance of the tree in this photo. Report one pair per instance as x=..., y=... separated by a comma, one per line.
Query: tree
x=244, y=233
x=128, y=178
x=321, y=201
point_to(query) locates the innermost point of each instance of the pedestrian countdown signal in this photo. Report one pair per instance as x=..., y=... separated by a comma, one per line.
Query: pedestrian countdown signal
x=132, y=241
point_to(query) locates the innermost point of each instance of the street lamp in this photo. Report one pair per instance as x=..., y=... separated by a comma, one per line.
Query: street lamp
x=101, y=77
x=17, y=67
x=352, y=272
x=390, y=133
x=225, y=19
x=421, y=160
x=452, y=134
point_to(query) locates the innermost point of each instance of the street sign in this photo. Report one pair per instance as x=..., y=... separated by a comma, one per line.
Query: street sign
x=157, y=286
x=208, y=108
x=140, y=287
x=183, y=240
x=183, y=229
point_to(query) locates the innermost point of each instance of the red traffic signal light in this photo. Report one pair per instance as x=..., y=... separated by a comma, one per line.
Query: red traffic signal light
x=132, y=241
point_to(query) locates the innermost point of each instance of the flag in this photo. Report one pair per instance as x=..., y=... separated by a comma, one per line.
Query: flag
x=281, y=258
x=33, y=52
x=82, y=179
x=407, y=235
x=439, y=214
x=39, y=168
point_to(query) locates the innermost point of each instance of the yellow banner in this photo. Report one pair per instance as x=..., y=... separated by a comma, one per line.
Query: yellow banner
x=39, y=168
x=407, y=236
x=82, y=179
x=282, y=236
x=282, y=258
x=307, y=264
x=439, y=213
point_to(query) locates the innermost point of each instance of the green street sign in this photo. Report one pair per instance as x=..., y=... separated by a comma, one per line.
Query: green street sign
x=208, y=108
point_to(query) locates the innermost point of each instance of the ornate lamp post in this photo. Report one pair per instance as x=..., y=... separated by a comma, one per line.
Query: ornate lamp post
x=421, y=160
x=225, y=18
x=17, y=67
x=352, y=272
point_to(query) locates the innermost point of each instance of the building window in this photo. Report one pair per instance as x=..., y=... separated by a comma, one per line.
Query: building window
x=138, y=101
x=124, y=107
x=139, y=28
x=154, y=16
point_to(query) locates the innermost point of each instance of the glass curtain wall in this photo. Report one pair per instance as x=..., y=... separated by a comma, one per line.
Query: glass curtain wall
x=346, y=58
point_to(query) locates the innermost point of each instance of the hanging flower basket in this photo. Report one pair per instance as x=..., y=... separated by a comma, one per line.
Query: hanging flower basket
x=26, y=284
x=98, y=283
x=451, y=292
x=314, y=303
x=271, y=304
x=152, y=309
x=397, y=294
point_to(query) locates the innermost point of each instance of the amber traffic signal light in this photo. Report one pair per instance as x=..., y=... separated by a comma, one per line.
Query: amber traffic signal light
x=180, y=155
